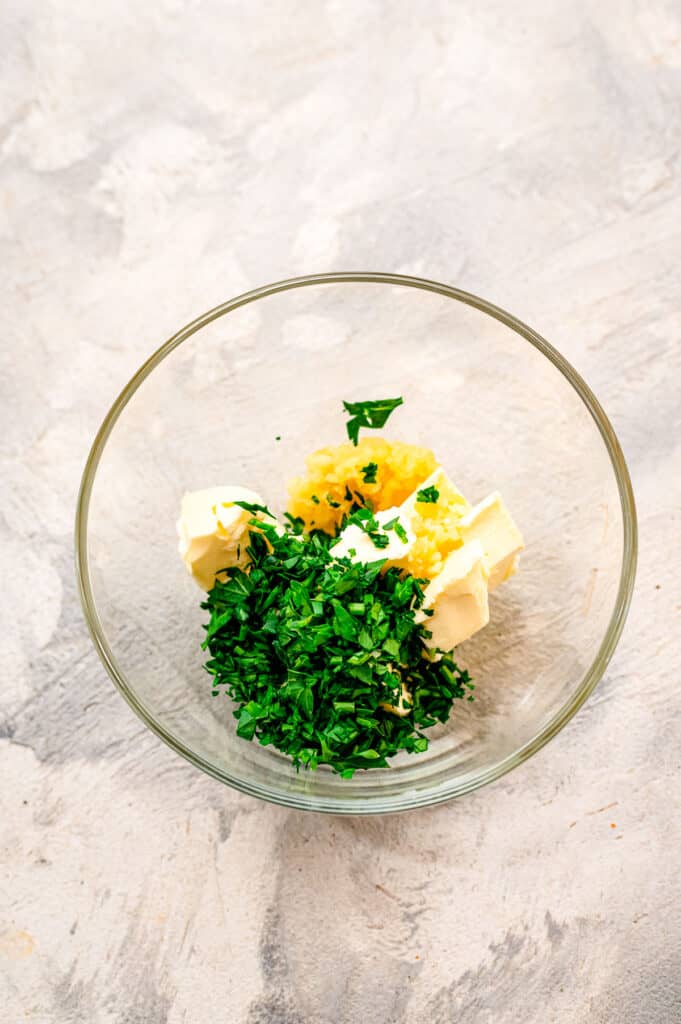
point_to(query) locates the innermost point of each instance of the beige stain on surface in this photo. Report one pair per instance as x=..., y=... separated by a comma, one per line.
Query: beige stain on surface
x=589, y=592
x=16, y=945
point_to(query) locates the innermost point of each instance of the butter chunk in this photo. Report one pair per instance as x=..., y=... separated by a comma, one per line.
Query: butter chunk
x=213, y=531
x=355, y=544
x=449, y=496
x=404, y=704
x=435, y=525
x=490, y=523
x=458, y=598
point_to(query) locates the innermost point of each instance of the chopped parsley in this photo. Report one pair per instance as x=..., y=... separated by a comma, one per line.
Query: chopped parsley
x=309, y=647
x=400, y=531
x=332, y=502
x=249, y=506
x=296, y=523
x=369, y=472
x=314, y=498
x=428, y=495
x=373, y=414
x=377, y=532
x=365, y=519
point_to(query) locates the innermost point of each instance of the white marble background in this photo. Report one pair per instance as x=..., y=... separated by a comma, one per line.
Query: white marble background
x=156, y=159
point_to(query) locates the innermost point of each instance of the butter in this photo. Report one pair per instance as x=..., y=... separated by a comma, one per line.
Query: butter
x=403, y=706
x=449, y=496
x=430, y=528
x=464, y=550
x=435, y=525
x=458, y=598
x=214, y=532
x=357, y=545
x=490, y=523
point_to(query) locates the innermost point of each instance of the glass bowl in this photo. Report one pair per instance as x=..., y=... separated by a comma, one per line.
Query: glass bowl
x=502, y=409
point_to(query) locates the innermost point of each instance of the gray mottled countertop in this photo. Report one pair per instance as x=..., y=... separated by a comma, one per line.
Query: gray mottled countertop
x=156, y=159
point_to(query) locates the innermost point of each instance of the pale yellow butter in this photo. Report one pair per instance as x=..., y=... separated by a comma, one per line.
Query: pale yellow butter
x=458, y=599
x=404, y=704
x=213, y=531
x=475, y=549
x=491, y=524
x=355, y=544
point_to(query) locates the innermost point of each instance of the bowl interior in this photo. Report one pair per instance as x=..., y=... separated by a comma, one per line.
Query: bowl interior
x=498, y=412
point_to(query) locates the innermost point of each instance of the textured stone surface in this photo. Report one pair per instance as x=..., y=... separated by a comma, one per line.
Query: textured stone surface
x=156, y=159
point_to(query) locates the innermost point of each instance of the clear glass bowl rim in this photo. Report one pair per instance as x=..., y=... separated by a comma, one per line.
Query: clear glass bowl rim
x=353, y=803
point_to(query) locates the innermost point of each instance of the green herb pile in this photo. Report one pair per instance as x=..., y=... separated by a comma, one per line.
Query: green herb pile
x=310, y=648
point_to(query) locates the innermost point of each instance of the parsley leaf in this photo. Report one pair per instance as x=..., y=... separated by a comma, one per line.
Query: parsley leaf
x=428, y=495
x=396, y=525
x=369, y=472
x=296, y=523
x=344, y=623
x=365, y=519
x=373, y=414
x=250, y=507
